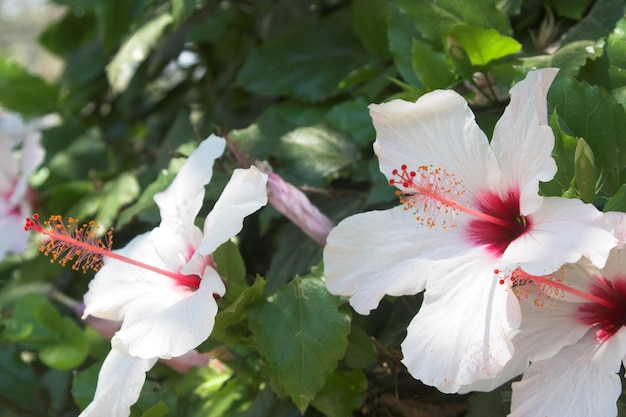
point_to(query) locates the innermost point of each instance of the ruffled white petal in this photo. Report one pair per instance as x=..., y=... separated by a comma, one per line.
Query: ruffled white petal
x=180, y=202
x=153, y=328
x=438, y=130
x=618, y=220
x=244, y=194
x=8, y=167
x=579, y=381
x=118, y=285
x=13, y=237
x=547, y=326
x=372, y=254
x=562, y=230
x=462, y=332
x=523, y=141
x=119, y=385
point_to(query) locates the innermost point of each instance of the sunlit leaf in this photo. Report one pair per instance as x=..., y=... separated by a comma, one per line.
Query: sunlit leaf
x=484, y=45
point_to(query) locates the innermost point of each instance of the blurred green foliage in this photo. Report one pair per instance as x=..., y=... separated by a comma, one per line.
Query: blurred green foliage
x=287, y=82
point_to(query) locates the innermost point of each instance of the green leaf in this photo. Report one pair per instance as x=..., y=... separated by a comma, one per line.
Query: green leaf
x=484, y=45
x=353, y=117
x=301, y=334
x=369, y=18
x=307, y=61
x=182, y=9
x=84, y=385
x=570, y=58
x=160, y=409
x=436, y=18
x=615, y=52
x=227, y=322
x=402, y=31
x=361, y=352
x=574, y=9
x=18, y=382
x=563, y=154
x=230, y=263
x=618, y=201
x=25, y=93
x=34, y=322
x=496, y=403
x=106, y=203
x=135, y=50
x=598, y=23
x=591, y=113
x=70, y=349
x=343, y=393
x=431, y=67
x=315, y=151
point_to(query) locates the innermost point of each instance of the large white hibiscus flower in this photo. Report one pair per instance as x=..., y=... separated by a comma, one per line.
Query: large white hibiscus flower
x=470, y=210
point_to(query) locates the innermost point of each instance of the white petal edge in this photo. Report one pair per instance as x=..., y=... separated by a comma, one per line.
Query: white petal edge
x=547, y=326
x=580, y=380
x=180, y=203
x=119, y=384
x=439, y=130
x=371, y=254
x=523, y=141
x=155, y=329
x=562, y=231
x=244, y=194
x=462, y=333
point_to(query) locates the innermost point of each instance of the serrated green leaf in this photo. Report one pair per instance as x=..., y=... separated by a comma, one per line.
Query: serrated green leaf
x=301, y=334
x=24, y=92
x=70, y=349
x=135, y=50
x=436, y=18
x=591, y=113
x=307, y=61
x=369, y=18
x=343, y=393
x=484, y=45
x=431, y=67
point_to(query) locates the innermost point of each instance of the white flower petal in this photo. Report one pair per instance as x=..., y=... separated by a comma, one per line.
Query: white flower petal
x=119, y=384
x=244, y=194
x=618, y=220
x=523, y=141
x=180, y=202
x=462, y=332
x=13, y=237
x=118, y=285
x=155, y=329
x=581, y=380
x=438, y=130
x=547, y=326
x=372, y=254
x=562, y=230
x=32, y=155
x=8, y=167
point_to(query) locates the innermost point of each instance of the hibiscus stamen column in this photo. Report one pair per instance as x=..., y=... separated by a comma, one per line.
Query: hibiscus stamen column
x=83, y=246
x=434, y=191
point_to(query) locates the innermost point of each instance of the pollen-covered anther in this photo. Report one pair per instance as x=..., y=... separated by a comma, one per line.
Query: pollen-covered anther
x=83, y=245
x=545, y=289
x=430, y=192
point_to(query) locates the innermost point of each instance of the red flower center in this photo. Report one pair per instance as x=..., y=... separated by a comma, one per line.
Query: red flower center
x=498, y=236
x=610, y=316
